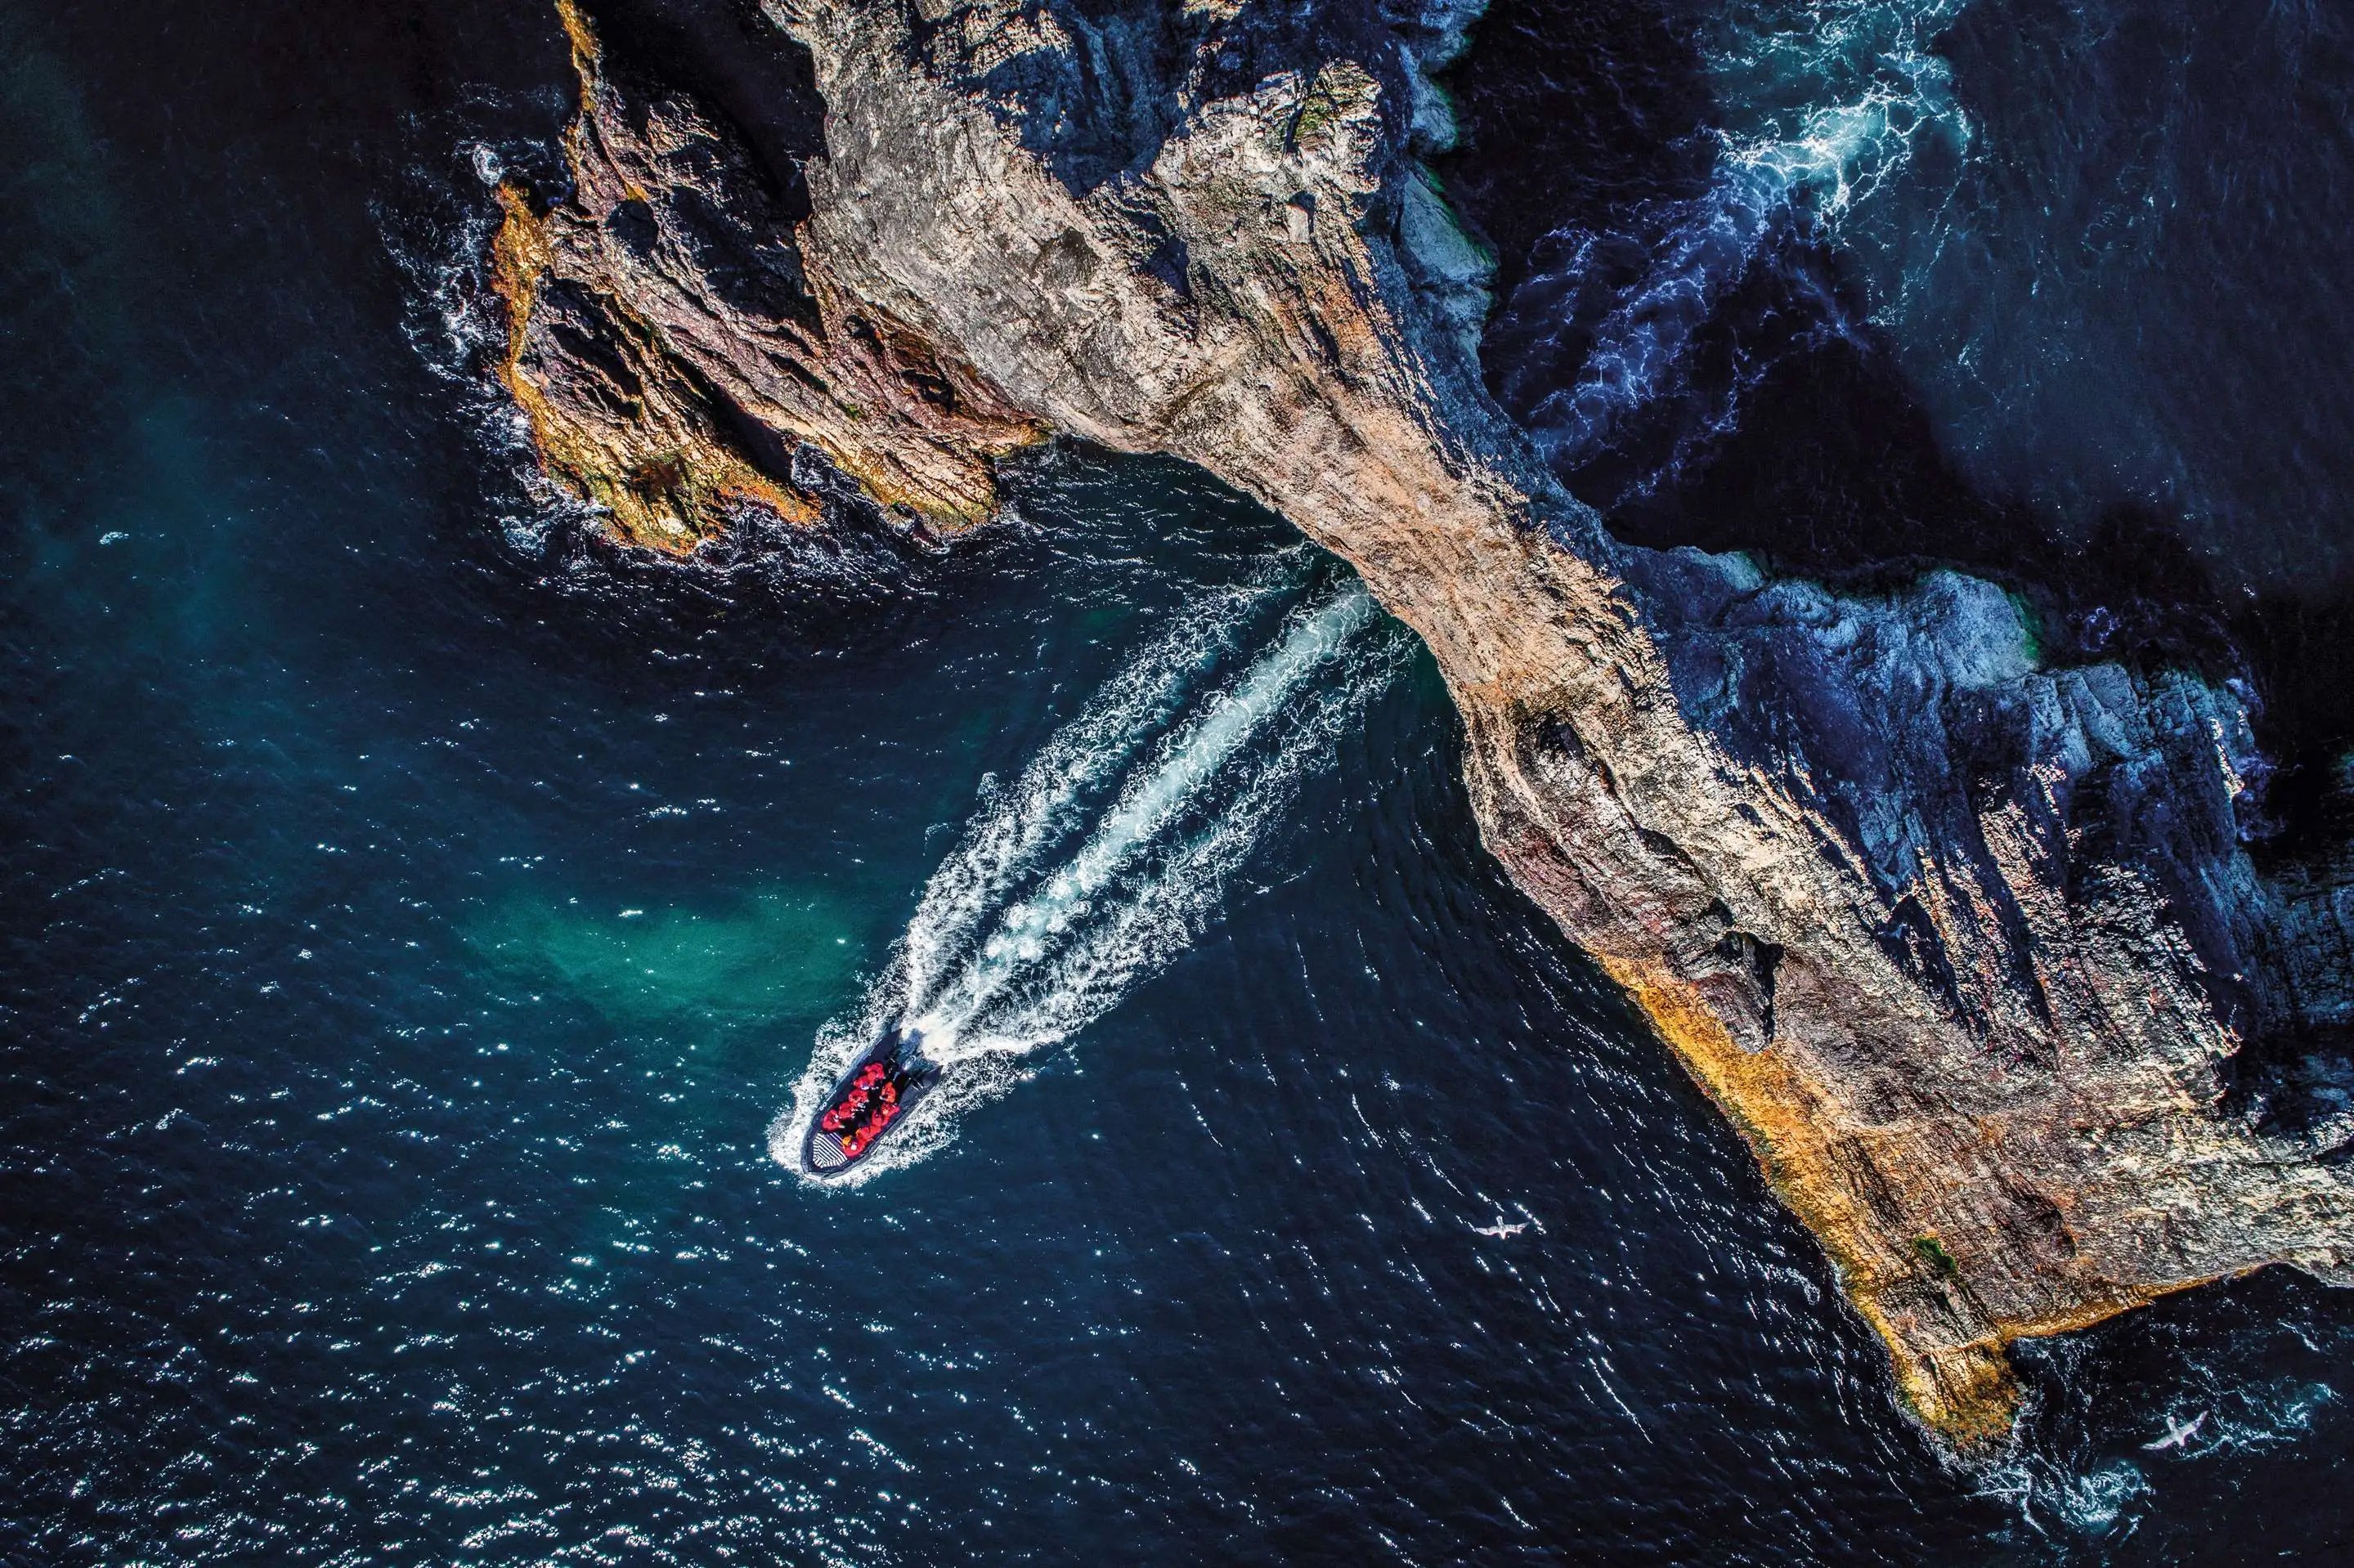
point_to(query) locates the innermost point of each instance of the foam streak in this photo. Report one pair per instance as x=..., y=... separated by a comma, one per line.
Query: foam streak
x=1105, y=858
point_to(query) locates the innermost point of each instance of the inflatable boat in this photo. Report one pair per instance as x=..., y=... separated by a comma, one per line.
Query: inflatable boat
x=871, y=1098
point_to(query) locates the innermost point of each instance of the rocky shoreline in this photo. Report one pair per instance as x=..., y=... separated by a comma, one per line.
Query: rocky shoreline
x=1966, y=942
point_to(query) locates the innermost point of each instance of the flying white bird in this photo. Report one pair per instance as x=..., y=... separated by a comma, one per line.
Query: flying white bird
x=1499, y=1229
x=2177, y=1433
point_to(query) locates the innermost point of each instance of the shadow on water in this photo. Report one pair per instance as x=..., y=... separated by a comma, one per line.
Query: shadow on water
x=1796, y=421
x=1793, y=427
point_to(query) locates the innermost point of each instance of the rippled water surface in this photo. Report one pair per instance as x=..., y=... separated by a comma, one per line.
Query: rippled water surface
x=2097, y=244
x=420, y=921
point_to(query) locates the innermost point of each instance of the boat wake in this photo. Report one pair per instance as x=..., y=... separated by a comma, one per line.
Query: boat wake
x=1106, y=856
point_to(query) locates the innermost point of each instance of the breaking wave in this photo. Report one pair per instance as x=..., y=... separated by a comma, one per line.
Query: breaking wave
x=1825, y=106
x=1106, y=856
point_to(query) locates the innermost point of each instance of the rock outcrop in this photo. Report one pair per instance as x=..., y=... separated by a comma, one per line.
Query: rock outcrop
x=678, y=362
x=1964, y=946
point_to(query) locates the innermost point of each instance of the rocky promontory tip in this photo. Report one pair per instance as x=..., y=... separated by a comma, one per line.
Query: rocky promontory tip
x=1965, y=944
x=678, y=359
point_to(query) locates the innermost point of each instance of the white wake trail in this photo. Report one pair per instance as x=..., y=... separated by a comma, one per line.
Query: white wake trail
x=1183, y=769
x=1045, y=804
x=1070, y=887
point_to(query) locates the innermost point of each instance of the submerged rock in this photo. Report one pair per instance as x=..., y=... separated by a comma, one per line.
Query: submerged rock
x=1965, y=946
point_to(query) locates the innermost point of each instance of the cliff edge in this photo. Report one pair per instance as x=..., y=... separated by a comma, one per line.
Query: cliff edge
x=1964, y=945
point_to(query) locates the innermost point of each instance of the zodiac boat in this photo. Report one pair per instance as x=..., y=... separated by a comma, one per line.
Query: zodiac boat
x=871, y=1099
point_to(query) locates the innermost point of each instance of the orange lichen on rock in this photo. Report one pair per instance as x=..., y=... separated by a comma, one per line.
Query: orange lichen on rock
x=1973, y=1049
x=1964, y=1390
x=676, y=362
x=644, y=454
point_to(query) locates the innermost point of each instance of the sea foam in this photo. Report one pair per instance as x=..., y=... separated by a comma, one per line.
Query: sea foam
x=1106, y=856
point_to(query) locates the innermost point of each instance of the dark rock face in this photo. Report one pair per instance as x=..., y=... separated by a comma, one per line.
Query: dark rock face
x=1962, y=936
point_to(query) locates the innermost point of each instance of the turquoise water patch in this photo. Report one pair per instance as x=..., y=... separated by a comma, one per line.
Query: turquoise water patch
x=780, y=956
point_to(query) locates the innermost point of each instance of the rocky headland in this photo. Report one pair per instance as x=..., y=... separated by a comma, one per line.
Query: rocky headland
x=1964, y=939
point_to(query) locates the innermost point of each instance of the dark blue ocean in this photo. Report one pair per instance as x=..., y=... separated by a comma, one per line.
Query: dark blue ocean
x=425, y=925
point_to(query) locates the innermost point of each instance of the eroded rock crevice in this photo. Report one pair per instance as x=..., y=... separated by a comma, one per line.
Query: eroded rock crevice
x=672, y=348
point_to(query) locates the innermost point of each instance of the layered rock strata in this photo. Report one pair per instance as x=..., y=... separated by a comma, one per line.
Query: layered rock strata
x=1964, y=946
x=678, y=363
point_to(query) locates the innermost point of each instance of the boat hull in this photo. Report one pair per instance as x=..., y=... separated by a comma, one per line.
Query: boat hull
x=832, y=1151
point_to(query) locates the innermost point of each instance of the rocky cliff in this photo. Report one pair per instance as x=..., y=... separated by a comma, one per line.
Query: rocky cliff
x=1966, y=945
